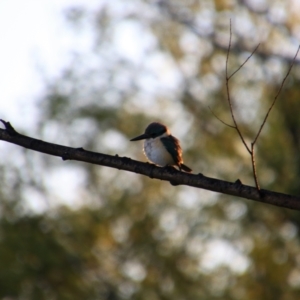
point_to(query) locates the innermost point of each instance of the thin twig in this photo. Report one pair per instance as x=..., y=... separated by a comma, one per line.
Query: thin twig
x=244, y=62
x=276, y=97
x=231, y=126
x=254, y=167
x=250, y=151
x=228, y=95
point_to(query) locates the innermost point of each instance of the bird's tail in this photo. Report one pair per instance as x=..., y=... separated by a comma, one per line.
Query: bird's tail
x=185, y=168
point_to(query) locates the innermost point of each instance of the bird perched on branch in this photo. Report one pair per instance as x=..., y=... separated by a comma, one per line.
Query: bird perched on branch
x=162, y=148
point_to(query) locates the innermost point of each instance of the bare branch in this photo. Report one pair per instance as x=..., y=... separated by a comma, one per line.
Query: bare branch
x=252, y=53
x=276, y=97
x=231, y=126
x=228, y=49
x=9, y=134
x=254, y=167
x=229, y=98
x=250, y=151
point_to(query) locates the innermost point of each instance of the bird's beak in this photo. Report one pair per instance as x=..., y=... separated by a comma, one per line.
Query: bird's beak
x=140, y=137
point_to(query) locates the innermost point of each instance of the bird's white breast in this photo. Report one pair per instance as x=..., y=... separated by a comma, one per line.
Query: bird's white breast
x=157, y=153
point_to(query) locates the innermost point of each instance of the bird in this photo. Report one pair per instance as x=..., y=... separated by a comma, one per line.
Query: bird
x=162, y=148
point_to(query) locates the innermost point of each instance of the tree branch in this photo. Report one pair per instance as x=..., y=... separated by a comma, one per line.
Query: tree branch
x=228, y=92
x=228, y=77
x=246, y=60
x=276, y=97
x=226, y=124
x=9, y=134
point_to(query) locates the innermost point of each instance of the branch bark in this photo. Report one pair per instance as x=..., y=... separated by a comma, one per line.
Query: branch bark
x=175, y=177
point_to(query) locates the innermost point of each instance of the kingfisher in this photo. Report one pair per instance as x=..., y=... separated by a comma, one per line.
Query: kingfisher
x=162, y=148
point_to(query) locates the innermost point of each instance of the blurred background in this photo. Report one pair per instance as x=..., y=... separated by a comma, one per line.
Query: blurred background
x=94, y=74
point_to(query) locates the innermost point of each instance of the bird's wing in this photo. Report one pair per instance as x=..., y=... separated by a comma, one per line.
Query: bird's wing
x=173, y=147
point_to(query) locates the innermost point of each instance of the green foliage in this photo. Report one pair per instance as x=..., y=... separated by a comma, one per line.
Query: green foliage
x=130, y=237
x=35, y=265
